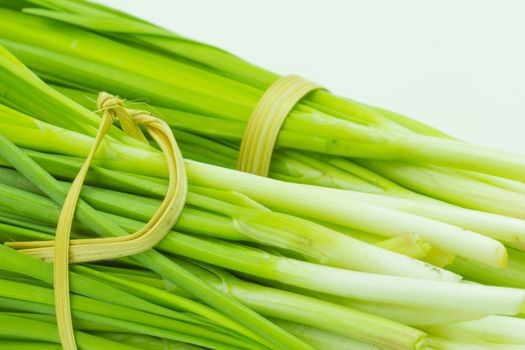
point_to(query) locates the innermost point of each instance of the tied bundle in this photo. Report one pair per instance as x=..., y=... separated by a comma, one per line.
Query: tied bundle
x=366, y=230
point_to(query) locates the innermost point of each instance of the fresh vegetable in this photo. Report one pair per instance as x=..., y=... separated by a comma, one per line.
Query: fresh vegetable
x=373, y=231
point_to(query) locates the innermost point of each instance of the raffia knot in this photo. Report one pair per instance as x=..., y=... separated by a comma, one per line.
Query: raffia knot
x=113, y=107
x=106, y=101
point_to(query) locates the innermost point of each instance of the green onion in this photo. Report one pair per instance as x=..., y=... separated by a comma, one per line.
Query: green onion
x=373, y=231
x=15, y=326
x=496, y=329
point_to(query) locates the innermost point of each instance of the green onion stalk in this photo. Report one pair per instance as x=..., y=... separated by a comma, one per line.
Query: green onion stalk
x=452, y=337
x=46, y=335
x=89, y=47
x=497, y=329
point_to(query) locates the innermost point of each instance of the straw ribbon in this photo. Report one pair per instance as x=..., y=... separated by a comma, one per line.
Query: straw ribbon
x=266, y=121
x=63, y=251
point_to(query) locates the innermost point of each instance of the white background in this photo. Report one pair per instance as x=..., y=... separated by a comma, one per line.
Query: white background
x=458, y=65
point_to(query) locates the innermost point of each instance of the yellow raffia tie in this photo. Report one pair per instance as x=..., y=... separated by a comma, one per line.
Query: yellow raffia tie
x=266, y=121
x=63, y=251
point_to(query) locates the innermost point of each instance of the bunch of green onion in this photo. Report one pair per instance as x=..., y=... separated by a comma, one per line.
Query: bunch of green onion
x=409, y=240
